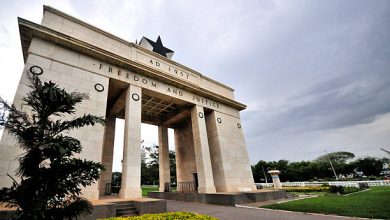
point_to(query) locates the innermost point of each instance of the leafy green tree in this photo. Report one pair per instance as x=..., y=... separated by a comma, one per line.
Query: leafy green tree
x=339, y=161
x=50, y=176
x=280, y=165
x=150, y=167
x=299, y=171
x=262, y=167
x=339, y=157
x=260, y=171
x=370, y=166
x=116, y=178
x=319, y=168
x=145, y=177
x=172, y=166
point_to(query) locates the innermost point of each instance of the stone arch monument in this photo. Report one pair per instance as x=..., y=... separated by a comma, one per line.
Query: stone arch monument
x=139, y=83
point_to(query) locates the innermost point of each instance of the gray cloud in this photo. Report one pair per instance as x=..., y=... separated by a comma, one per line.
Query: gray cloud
x=303, y=67
x=330, y=71
x=313, y=73
x=336, y=103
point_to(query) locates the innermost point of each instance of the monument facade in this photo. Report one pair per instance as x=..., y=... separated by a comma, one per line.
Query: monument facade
x=140, y=83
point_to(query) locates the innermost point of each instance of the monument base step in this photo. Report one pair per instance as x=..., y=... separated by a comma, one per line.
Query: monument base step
x=228, y=199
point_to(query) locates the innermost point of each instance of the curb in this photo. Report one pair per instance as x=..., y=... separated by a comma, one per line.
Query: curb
x=306, y=213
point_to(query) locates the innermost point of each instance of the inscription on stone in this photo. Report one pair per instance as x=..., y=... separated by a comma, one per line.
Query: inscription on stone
x=154, y=85
x=205, y=101
x=167, y=68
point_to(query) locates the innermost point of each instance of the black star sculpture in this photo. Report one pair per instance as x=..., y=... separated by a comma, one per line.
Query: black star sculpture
x=159, y=48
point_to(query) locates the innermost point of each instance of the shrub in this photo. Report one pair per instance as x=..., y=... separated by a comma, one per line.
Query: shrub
x=168, y=215
x=344, y=190
x=363, y=185
x=307, y=189
x=336, y=189
x=348, y=190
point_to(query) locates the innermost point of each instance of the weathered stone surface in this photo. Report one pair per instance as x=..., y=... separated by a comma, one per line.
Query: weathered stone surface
x=124, y=80
x=228, y=199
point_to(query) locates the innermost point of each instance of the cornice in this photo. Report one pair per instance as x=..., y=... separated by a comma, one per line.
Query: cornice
x=107, y=34
x=29, y=30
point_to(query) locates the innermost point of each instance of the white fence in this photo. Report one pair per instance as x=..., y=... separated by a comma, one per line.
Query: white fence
x=356, y=183
x=332, y=183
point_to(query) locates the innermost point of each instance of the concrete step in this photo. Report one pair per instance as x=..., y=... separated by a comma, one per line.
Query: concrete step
x=124, y=202
x=124, y=205
x=126, y=214
x=126, y=209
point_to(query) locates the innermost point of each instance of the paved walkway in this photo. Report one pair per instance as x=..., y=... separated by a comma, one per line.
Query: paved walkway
x=239, y=213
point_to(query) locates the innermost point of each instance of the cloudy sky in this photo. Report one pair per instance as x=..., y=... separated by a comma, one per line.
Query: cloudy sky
x=314, y=74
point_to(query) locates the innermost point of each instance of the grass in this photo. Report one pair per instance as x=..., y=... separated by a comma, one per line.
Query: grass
x=146, y=189
x=374, y=203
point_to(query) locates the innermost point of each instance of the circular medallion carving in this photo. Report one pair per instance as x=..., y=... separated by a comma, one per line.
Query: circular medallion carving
x=200, y=114
x=219, y=120
x=36, y=70
x=99, y=87
x=135, y=96
x=238, y=125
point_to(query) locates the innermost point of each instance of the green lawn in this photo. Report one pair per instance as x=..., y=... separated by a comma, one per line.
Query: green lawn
x=374, y=203
x=146, y=189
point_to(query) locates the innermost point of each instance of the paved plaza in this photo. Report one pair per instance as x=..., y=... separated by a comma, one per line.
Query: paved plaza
x=234, y=213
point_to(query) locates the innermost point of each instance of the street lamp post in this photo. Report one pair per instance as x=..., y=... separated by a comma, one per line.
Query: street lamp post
x=331, y=164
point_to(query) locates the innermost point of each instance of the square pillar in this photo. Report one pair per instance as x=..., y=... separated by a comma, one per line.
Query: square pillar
x=163, y=159
x=185, y=158
x=229, y=157
x=216, y=152
x=202, y=153
x=107, y=156
x=131, y=167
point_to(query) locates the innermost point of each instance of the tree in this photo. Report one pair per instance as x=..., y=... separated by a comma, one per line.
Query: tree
x=116, y=178
x=50, y=176
x=262, y=167
x=172, y=166
x=299, y=171
x=260, y=171
x=339, y=157
x=337, y=161
x=150, y=167
x=370, y=166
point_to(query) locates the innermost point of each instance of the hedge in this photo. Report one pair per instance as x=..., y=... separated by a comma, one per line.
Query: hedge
x=330, y=189
x=307, y=189
x=163, y=216
x=344, y=190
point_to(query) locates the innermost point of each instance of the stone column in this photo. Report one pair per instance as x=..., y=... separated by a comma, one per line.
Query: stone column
x=216, y=152
x=275, y=179
x=185, y=158
x=228, y=154
x=131, y=171
x=163, y=159
x=107, y=155
x=202, y=153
